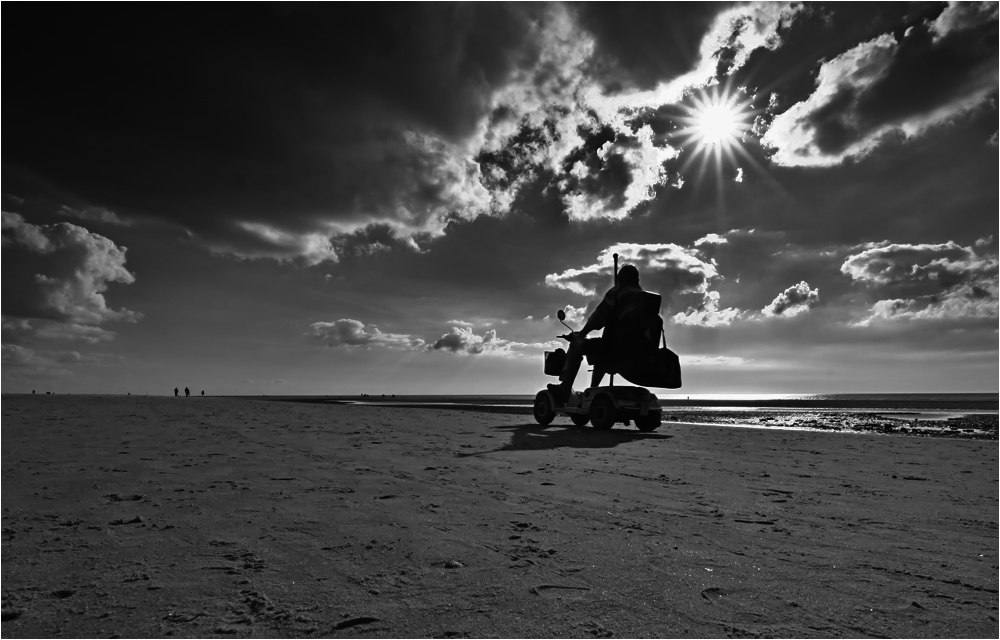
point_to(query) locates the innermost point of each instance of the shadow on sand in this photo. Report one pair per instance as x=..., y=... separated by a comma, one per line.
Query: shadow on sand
x=533, y=437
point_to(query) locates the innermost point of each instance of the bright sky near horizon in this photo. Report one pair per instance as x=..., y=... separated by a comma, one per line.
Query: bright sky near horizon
x=381, y=198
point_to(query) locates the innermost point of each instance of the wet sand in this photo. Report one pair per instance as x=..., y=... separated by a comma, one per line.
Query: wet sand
x=250, y=517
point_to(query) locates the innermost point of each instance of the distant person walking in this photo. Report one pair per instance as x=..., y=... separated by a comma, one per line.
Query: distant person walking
x=187, y=392
x=176, y=392
x=202, y=393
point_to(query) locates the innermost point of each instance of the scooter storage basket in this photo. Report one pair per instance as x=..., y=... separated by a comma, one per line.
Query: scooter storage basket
x=554, y=362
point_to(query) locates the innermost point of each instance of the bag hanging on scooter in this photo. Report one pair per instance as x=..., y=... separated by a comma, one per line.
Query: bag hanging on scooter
x=660, y=368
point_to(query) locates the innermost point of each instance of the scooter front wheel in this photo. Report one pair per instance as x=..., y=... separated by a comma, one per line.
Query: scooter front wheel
x=544, y=411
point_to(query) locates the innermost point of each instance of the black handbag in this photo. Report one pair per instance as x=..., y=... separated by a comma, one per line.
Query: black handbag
x=659, y=368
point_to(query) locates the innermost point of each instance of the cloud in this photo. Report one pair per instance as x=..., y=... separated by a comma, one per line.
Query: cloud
x=49, y=330
x=937, y=281
x=668, y=269
x=933, y=266
x=94, y=214
x=641, y=167
x=20, y=362
x=733, y=35
x=889, y=88
x=463, y=340
x=575, y=316
x=428, y=182
x=966, y=303
x=644, y=45
x=15, y=355
x=272, y=147
x=354, y=333
x=681, y=275
x=20, y=356
x=708, y=313
x=792, y=301
x=711, y=238
x=63, y=273
x=557, y=127
x=962, y=16
x=289, y=151
x=278, y=244
x=713, y=361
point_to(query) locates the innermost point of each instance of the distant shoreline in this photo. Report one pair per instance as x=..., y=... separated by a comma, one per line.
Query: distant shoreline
x=935, y=421
x=971, y=416
x=883, y=402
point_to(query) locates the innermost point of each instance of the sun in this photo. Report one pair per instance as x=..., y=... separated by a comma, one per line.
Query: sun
x=712, y=133
x=716, y=124
x=716, y=119
x=714, y=137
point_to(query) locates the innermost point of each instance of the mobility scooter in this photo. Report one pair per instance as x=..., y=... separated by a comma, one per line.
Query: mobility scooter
x=604, y=406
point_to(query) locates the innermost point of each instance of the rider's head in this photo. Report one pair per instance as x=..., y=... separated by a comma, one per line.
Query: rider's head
x=628, y=274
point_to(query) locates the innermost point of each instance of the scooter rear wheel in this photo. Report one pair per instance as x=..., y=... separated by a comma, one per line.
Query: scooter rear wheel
x=648, y=423
x=580, y=419
x=543, y=410
x=602, y=413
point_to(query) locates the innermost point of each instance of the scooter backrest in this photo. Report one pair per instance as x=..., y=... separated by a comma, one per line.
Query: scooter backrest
x=641, y=303
x=638, y=318
x=650, y=302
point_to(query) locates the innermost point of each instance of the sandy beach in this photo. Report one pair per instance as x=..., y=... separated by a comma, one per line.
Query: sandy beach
x=143, y=516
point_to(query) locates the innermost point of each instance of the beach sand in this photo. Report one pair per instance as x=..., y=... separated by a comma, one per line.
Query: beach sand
x=136, y=516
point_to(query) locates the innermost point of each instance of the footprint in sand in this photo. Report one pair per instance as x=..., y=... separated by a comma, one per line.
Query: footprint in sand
x=127, y=497
x=595, y=630
x=560, y=591
x=353, y=622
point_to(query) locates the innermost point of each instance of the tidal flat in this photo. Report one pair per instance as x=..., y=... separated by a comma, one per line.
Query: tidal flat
x=248, y=517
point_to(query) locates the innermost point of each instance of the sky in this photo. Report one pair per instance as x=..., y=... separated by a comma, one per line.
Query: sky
x=379, y=198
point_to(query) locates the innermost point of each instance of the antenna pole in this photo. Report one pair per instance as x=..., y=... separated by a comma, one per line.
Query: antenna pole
x=614, y=314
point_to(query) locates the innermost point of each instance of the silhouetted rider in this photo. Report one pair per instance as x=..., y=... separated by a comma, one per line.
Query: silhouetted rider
x=618, y=314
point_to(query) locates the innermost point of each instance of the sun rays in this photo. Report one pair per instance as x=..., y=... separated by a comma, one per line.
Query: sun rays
x=713, y=134
x=718, y=124
x=714, y=124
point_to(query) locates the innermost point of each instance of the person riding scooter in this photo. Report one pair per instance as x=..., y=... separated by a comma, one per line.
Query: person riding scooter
x=622, y=316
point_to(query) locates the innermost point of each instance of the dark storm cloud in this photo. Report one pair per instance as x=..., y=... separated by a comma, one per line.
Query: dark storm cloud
x=892, y=85
x=943, y=69
x=272, y=130
x=58, y=274
x=259, y=127
x=641, y=44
